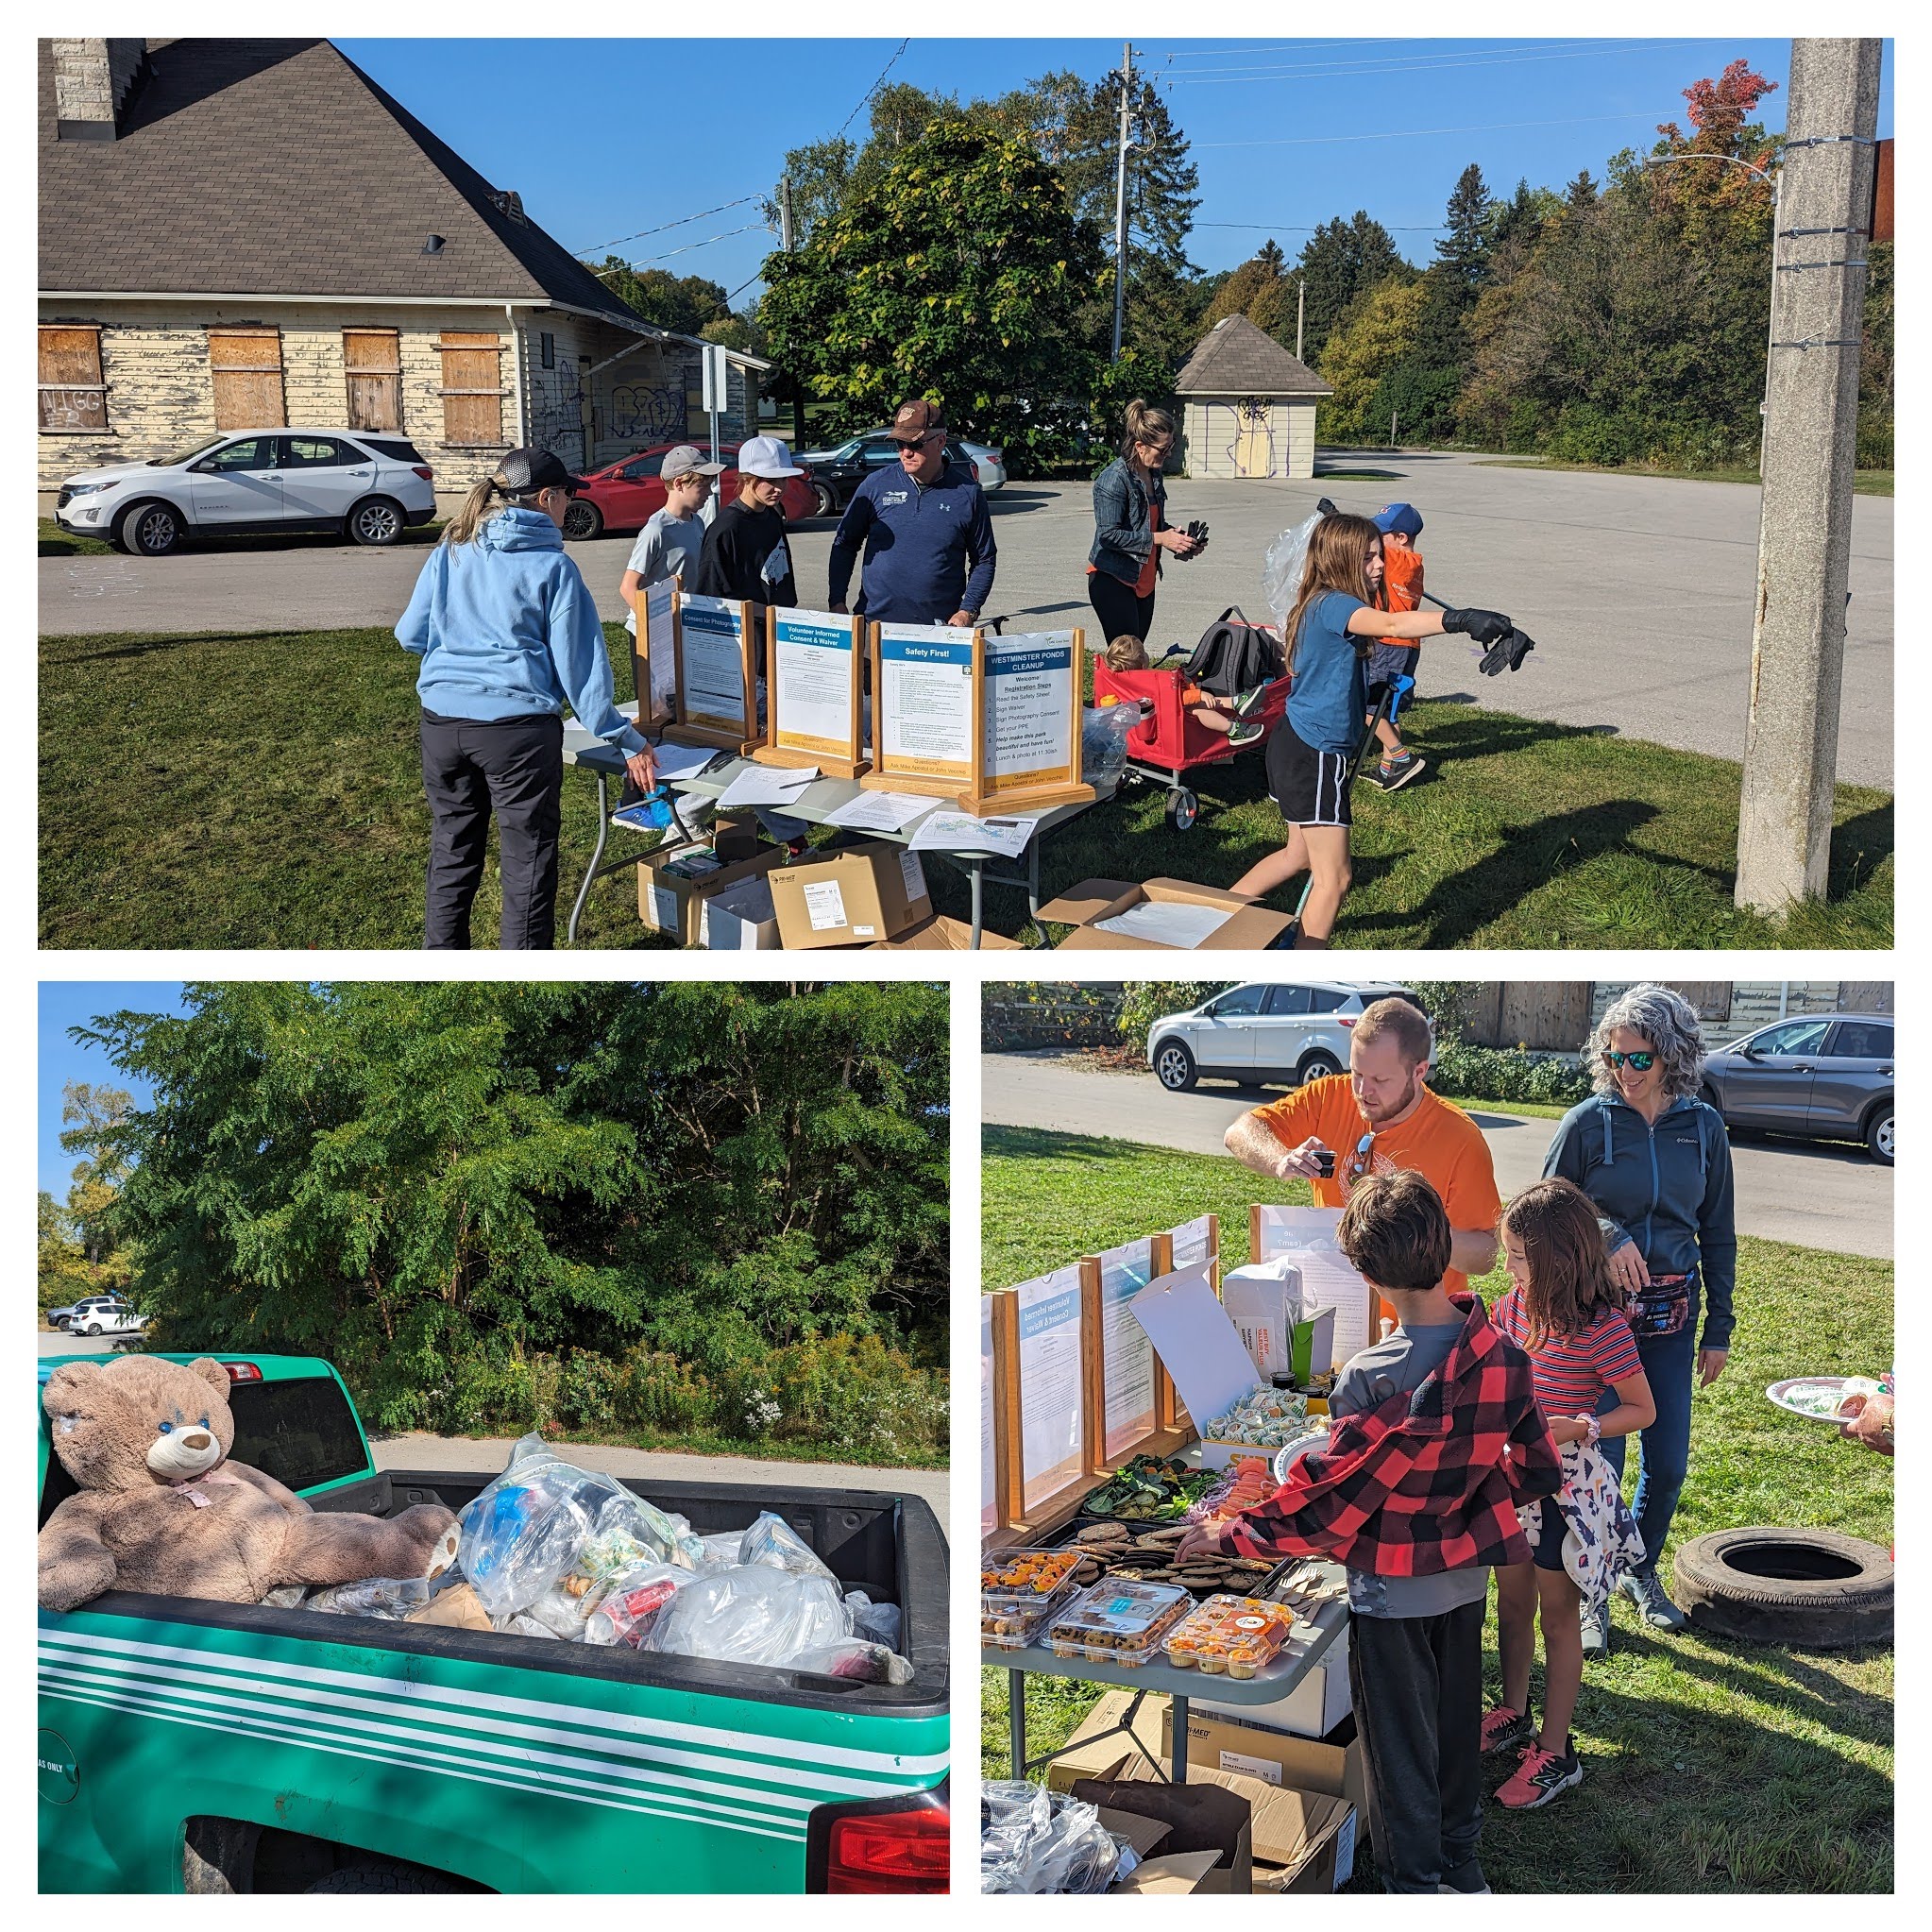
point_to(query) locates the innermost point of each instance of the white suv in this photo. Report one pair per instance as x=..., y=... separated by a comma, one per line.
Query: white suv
x=1258, y=1033
x=370, y=488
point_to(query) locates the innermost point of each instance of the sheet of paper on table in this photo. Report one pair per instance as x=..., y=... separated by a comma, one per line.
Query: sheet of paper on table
x=766, y=785
x=962, y=832
x=880, y=811
x=1166, y=923
x=682, y=761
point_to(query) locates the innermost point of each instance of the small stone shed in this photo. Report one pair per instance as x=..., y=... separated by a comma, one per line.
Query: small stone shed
x=1248, y=405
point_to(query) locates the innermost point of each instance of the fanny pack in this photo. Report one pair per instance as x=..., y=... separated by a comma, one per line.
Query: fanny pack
x=1663, y=1308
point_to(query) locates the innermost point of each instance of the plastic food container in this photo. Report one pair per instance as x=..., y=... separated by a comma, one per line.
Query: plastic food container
x=1239, y=1636
x=1117, y=1622
x=1020, y=1589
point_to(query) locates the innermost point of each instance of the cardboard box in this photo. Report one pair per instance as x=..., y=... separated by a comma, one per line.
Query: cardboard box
x=859, y=895
x=739, y=918
x=1221, y=1740
x=670, y=902
x=737, y=835
x=942, y=933
x=1246, y=929
x=1200, y=1817
x=1083, y=1757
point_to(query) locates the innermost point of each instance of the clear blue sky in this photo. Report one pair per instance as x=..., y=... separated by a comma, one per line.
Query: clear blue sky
x=1286, y=133
x=76, y=1003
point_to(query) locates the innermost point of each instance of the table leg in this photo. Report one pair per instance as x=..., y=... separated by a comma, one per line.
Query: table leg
x=1179, y=1765
x=1016, y=1720
x=1033, y=875
x=976, y=873
x=590, y=877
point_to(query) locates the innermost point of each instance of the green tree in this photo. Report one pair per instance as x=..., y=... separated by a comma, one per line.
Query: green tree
x=963, y=277
x=83, y=1249
x=685, y=304
x=1463, y=250
x=1339, y=263
x=1379, y=336
x=1875, y=363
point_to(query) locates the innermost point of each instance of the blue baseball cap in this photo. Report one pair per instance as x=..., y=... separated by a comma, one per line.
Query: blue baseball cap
x=1399, y=519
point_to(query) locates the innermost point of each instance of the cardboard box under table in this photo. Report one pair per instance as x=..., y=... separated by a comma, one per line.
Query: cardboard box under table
x=671, y=901
x=856, y=896
x=1110, y=915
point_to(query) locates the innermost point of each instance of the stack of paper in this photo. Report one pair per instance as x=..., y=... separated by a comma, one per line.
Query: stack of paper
x=880, y=811
x=962, y=832
x=681, y=762
x=766, y=785
x=1162, y=923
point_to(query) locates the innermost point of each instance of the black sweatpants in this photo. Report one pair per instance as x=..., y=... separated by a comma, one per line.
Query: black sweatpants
x=1417, y=1683
x=513, y=767
x=1121, y=613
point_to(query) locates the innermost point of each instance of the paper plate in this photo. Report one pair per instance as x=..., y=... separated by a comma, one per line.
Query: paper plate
x=1781, y=1393
x=1291, y=1452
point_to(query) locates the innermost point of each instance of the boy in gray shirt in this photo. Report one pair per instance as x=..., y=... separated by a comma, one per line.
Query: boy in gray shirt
x=669, y=543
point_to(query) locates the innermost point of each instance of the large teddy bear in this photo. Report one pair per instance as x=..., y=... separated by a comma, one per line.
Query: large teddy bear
x=161, y=1510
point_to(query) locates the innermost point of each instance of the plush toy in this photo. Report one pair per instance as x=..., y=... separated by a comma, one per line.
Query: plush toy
x=161, y=1510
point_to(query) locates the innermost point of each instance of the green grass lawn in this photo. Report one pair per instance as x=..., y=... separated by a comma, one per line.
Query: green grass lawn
x=1865, y=482
x=1709, y=1765
x=277, y=801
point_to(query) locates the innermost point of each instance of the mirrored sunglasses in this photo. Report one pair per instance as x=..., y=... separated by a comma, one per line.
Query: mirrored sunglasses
x=1365, y=1153
x=1639, y=1062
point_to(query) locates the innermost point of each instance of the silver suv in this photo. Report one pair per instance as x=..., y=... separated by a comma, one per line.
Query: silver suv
x=1259, y=1034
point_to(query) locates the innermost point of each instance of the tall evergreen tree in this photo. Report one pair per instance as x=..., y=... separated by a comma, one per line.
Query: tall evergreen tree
x=1463, y=252
x=1340, y=261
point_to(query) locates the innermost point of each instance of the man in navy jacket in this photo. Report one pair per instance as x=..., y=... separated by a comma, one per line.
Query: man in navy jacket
x=922, y=525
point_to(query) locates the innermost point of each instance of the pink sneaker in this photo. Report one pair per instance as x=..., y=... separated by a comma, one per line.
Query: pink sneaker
x=1504, y=1727
x=1539, y=1776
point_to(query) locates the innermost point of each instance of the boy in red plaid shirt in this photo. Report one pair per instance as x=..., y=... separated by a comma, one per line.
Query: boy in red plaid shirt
x=1435, y=1439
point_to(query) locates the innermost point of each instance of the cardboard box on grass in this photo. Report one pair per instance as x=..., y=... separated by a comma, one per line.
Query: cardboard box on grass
x=1202, y=1816
x=1246, y=927
x=853, y=897
x=671, y=904
x=943, y=932
x=1086, y=1755
x=1231, y=1741
x=739, y=918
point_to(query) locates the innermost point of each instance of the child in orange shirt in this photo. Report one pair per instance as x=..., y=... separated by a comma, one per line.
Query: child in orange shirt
x=1401, y=564
x=1226, y=714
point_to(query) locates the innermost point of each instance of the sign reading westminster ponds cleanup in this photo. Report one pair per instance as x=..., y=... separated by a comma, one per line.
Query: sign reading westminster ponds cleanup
x=1029, y=727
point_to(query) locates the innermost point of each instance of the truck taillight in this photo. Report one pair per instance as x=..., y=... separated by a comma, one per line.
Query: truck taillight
x=242, y=1371
x=881, y=1844
x=1343, y=1020
x=423, y=470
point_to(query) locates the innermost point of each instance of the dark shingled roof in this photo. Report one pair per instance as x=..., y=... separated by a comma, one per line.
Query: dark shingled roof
x=279, y=167
x=1235, y=358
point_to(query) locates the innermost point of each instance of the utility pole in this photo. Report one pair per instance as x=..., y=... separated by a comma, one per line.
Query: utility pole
x=1810, y=427
x=1300, y=310
x=784, y=236
x=1120, y=216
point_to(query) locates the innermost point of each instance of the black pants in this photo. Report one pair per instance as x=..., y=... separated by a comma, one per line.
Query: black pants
x=1121, y=613
x=513, y=767
x=1417, y=1683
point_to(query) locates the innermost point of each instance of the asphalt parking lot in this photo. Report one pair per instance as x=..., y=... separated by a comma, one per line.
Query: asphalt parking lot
x=1637, y=589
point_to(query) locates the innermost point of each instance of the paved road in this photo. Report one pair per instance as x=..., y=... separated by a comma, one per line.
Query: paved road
x=1637, y=589
x=54, y=1343
x=1826, y=1197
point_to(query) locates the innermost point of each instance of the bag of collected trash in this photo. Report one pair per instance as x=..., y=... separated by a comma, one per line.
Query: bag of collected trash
x=455, y=1608
x=864, y=1663
x=1282, y=565
x=1035, y=1841
x=631, y=1607
x=721, y=1551
x=773, y=1544
x=878, y=1623
x=1103, y=731
x=393, y=1598
x=750, y=1614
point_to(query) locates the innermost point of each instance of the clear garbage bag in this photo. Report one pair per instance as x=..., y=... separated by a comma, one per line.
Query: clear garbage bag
x=631, y=1605
x=721, y=1551
x=771, y=1543
x=750, y=1615
x=862, y=1662
x=393, y=1598
x=1035, y=1841
x=1104, y=730
x=1281, y=567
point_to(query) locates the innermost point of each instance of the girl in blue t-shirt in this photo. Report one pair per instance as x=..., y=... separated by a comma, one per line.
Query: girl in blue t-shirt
x=1330, y=626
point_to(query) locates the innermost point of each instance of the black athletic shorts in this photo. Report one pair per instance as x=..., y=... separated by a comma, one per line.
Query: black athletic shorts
x=1547, y=1551
x=1311, y=787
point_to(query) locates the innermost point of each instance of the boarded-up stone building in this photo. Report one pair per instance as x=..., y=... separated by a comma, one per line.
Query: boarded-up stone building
x=1248, y=406
x=242, y=235
x=1557, y=1016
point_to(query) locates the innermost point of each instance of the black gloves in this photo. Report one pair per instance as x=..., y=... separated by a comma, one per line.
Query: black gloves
x=1507, y=653
x=1485, y=626
x=1198, y=531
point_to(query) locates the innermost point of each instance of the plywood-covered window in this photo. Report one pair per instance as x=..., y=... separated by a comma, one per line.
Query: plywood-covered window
x=472, y=389
x=74, y=399
x=372, y=363
x=247, y=368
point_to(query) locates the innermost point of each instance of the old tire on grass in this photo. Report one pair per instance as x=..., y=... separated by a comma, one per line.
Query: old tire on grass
x=1813, y=1589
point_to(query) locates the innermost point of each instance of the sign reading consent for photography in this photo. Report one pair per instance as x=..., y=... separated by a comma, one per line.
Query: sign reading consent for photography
x=1027, y=747
x=720, y=654
x=813, y=692
x=924, y=678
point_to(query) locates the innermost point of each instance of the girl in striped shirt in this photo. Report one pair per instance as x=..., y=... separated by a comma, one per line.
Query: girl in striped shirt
x=1564, y=1311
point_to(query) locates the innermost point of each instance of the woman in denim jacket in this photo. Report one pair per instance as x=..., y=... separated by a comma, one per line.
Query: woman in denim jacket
x=1131, y=527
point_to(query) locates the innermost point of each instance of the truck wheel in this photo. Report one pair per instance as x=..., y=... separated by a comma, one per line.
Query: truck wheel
x=1812, y=1589
x=384, y=1878
x=1174, y=1067
x=1878, y=1136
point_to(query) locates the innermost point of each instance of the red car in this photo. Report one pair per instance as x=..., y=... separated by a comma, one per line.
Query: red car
x=625, y=495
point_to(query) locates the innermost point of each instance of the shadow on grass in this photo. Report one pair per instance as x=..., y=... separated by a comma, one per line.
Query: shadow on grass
x=1045, y=1144
x=1858, y=848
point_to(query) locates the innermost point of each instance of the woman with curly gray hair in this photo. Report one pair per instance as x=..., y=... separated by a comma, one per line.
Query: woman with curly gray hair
x=1656, y=1162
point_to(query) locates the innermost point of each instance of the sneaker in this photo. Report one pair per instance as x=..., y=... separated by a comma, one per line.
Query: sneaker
x=1250, y=700
x=1466, y=1878
x=1539, y=1776
x=1244, y=731
x=1656, y=1609
x=1502, y=1728
x=1596, y=1625
x=1393, y=773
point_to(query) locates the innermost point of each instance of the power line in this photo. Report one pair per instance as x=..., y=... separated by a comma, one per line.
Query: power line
x=1445, y=57
x=659, y=230
x=1280, y=228
x=1380, y=71
x=874, y=87
x=1414, y=133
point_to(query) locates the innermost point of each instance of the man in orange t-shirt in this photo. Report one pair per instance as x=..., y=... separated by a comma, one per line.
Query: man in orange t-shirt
x=1380, y=1118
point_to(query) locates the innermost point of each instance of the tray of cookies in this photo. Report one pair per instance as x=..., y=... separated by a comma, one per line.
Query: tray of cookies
x=1118, y=1622
x=1232, y=1636
x=1020, y=1589
x=1116, y=1549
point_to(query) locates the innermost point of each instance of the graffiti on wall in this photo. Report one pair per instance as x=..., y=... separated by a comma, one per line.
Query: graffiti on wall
x=556, y=411
x=1245, y=433
x=645, y=413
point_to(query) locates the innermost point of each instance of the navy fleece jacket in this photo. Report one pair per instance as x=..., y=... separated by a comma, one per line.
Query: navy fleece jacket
x=918, y=542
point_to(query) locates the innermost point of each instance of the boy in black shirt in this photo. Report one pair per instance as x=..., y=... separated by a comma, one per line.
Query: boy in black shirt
x=745, y=557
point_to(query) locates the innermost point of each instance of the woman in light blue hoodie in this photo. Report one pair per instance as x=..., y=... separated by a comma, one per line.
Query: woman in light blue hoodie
x=508, y=635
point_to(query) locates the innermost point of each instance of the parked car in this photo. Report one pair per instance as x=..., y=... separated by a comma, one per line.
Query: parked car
x=1827, y=1076
x=107, y=1318
x=79, y=1311
x=370, y=487
x=625, y=495
x=1259, y=1034
x=834, y=474
x=299, y=1750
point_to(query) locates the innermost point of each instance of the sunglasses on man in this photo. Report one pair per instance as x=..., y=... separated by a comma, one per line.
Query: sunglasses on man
x=917, y=443
x=1638, y=1062
x=1365, y=1155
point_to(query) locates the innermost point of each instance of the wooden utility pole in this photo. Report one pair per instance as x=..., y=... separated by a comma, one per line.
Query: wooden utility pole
x=1120, y=206
x=1810, y=431
x=1300, y=310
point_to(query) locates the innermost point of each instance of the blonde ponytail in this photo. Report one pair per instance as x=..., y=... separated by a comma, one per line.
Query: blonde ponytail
x=1146, y=423
x=490, y=497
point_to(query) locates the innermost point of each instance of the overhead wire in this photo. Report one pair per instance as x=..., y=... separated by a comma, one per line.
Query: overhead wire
x=1380, y=70
x=874, y=87
x=660, y=229
x=1414, y=133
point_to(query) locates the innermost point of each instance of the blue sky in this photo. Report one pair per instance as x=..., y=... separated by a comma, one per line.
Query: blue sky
x=1286, y=133
x=76, y=1003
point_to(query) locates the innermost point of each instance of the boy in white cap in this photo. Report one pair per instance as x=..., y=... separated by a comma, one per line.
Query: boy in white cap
x=745, y=557
x=669, y=543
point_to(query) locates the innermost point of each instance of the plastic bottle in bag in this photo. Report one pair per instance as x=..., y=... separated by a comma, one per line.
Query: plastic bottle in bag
x=632, y=1604
x=1104, y=730
x=853, y=1658
x=750, y=1615
x=1282, y=570
x=773, y=1544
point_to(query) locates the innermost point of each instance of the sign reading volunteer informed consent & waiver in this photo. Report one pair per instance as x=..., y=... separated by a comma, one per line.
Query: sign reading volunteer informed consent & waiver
x=812, y=692
x=719, y=652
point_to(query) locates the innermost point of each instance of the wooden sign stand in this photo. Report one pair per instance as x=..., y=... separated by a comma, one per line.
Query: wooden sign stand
x=1056, y=782
x=803, y=663
x=894, y=768
x=737, y=731
x=657, y=633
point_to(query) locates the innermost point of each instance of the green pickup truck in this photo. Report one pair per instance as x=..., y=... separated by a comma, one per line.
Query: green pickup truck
x=195, y=1746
